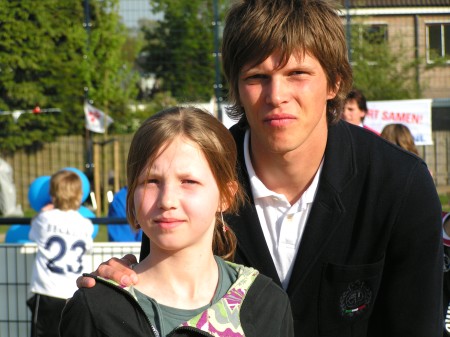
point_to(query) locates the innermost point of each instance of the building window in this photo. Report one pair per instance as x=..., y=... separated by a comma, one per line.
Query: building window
x=373, y=34
x=438, y=42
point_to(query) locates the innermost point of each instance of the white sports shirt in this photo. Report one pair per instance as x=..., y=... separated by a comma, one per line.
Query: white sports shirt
x=63, y=238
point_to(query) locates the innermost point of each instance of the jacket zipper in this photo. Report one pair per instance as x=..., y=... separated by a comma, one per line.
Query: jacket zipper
x=153, y=328
x=190, y=328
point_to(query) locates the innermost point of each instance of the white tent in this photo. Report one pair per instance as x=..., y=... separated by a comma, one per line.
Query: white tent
x=8, y=205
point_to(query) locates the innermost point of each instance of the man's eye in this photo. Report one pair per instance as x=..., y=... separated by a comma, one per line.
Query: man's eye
x=255, y=77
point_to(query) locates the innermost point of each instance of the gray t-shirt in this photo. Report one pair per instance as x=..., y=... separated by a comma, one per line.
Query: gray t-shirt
x=165, y=318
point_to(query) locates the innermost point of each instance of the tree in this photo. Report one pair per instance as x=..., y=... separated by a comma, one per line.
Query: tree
x=109, y=75
x=179, y=49
x=381, y=71
x=37, y=61
x=48, y=58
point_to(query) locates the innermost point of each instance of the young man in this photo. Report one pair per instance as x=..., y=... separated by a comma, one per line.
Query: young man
x=355, y=109
x=346, y=223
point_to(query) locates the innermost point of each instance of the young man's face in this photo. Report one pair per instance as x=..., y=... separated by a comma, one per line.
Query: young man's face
x=285, y=107
x=352, y=113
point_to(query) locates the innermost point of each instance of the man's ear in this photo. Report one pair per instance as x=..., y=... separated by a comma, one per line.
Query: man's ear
x=232, y=187
x=334, y=89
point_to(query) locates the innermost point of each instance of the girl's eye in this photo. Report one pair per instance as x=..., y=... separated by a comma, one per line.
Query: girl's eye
x=151, y=181
x=188, y=181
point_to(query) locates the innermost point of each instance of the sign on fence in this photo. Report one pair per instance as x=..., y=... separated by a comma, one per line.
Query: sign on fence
x=414, y=113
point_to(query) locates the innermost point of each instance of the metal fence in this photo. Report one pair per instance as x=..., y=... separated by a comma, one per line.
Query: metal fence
x=16, y=263
x=70, y=151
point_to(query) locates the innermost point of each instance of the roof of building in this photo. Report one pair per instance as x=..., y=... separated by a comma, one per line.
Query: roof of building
x=394, y=3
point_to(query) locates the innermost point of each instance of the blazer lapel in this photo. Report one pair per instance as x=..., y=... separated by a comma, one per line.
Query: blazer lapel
x=252, y=249
x=327, y=209
x=323, y=221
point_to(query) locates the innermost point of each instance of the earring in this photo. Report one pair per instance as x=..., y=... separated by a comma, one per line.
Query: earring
x=224, y=227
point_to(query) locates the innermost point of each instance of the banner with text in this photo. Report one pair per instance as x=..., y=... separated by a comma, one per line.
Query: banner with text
x=414, y=113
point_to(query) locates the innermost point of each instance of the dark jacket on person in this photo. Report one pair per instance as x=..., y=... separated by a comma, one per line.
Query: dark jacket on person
x=370, y=260
x=247, y=309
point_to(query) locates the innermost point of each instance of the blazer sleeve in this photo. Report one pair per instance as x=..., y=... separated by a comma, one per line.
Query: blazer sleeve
x=410, y=297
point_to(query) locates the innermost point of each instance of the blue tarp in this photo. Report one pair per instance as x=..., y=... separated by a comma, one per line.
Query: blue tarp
x=117, y=208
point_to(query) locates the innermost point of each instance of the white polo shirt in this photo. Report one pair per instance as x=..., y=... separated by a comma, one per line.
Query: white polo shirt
x=282, y=223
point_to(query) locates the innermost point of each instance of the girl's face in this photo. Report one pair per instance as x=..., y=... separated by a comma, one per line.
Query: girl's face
x=177, y=198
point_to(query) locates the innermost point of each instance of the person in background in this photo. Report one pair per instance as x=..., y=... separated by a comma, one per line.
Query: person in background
x=355, y=109
x=400, y=135
x=63, y=236
x=349, y=225
x=117, y=209
x=181, y=173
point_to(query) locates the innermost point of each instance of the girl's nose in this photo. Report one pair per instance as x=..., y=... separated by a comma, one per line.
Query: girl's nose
x=167, y=197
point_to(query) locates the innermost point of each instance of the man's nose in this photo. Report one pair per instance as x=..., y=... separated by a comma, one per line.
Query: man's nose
x=277, y=92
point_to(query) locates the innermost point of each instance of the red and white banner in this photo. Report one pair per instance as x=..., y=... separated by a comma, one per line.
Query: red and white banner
x=414, y=113
x=95, y=119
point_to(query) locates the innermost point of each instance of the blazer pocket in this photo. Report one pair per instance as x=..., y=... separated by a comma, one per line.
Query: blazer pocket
x=347, y=294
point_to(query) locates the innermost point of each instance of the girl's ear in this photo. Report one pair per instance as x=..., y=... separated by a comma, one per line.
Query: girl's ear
x=232, y=187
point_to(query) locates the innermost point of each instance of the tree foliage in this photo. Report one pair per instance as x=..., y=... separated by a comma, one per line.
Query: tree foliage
x=49, y=58
x=179, y=49
x=110, y=79
x=381, y=68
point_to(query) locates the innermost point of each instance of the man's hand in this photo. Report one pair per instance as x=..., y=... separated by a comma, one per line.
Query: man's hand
x=115, y=269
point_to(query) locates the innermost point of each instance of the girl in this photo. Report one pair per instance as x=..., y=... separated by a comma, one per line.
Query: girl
x=182, y=178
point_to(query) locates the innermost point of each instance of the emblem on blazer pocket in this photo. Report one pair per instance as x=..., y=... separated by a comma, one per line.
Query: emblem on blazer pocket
x=356, y=299
x=446, y=263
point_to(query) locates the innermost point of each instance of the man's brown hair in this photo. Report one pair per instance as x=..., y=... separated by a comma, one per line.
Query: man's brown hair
x=255, y=29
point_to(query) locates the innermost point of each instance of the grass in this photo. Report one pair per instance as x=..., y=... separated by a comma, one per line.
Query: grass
x=445, y=202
